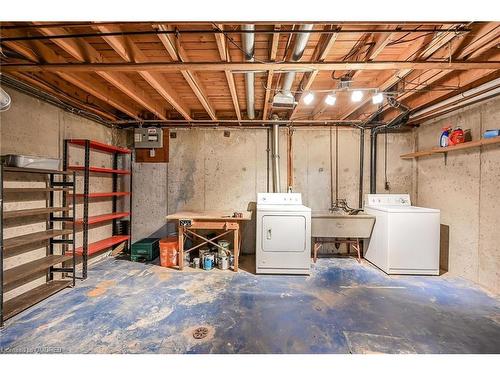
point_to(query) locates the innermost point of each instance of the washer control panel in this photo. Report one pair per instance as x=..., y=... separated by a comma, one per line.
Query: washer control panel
x=387, y=200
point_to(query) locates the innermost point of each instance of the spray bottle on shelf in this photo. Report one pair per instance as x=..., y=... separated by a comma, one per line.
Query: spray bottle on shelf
x=445, y=137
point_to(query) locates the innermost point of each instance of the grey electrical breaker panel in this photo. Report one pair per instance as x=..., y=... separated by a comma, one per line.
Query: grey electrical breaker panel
x=148, y=138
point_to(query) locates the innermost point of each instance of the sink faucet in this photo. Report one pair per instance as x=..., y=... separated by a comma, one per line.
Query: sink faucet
x=341, y=205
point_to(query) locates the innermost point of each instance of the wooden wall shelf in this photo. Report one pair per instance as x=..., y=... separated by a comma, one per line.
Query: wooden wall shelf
x=27, y=239
x=12, y=276
x=59, y=222
x=462, y=146
x=16, y=305
x=33, y=212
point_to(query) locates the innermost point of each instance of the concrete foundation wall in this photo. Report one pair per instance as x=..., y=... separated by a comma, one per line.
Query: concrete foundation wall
x=208, y=171
x=465, y=189
x=33, y=127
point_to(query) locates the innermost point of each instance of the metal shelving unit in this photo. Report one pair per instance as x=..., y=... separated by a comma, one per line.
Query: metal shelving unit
x=87, y=249
x=56, y=182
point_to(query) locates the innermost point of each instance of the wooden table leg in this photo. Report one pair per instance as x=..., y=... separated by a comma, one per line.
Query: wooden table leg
x=358, y=249
x=317, y=246
x=236, y=246
x=181, y=247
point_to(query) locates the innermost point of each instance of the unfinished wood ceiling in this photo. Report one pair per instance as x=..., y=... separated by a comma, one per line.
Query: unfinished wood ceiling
x=138, y=71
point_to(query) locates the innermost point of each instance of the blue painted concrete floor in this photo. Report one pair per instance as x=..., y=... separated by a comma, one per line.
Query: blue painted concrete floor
x=343, y=307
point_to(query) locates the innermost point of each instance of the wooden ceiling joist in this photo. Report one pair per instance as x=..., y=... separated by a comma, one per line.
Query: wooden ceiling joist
x=422, y=50
x=144, y=75
x=321, y=107
x=128, y=51
x=253, y=66
x=272, y=57
x=43, y=53
x=435, y=77
x=467, y=80
x=177, y=53
x=42, y=86
x=319, y=54
x=220, y=40
x=83, y=51
x=427, y=79
x=473, y=43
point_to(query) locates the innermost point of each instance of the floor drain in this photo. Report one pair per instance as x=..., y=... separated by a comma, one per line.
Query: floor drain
x=200, y=333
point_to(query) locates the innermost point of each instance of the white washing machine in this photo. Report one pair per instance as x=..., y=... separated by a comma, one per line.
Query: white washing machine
x=283, y=241
x=405, y=238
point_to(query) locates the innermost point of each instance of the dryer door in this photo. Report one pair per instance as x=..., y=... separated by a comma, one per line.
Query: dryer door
x=283, y=233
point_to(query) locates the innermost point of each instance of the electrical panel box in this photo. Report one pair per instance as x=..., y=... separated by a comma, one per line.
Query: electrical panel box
x=148, y=138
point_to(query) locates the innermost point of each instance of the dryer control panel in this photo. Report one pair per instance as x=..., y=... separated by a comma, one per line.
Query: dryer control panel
x=279, y=198
x=387, y=200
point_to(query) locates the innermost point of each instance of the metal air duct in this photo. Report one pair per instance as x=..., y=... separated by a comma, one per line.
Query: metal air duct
x=5, y=100
x=300, y=45
x=248, y=40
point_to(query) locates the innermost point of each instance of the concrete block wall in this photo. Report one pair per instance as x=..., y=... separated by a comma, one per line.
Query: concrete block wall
x=33, y=127
x=466, y=191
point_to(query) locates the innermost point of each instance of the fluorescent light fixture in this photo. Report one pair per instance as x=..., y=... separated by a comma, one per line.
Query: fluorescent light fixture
x=356, y=96
x=378, y=98
x=308, y=98
x=330, y=99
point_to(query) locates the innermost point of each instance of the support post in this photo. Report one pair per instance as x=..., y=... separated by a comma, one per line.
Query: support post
x=86, y=179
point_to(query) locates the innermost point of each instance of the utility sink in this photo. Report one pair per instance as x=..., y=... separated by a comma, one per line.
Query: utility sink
x=338, y=225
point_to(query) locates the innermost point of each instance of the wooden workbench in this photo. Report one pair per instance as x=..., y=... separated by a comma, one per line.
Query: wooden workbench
x=209, y=220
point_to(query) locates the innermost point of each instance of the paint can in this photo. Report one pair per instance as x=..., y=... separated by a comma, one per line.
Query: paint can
x=202, y=254
x=208, y=263
x=225, y=245
x=223, y=262
x=187, y=258
x=196, y=263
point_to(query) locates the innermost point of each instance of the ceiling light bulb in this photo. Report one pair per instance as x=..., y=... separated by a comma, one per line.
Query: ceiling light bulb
x=308, y=98
x=357, y=96
x=378, y=98
x=330, y=99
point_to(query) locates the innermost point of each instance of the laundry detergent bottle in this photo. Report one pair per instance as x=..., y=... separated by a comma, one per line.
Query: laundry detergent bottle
x=445, y=137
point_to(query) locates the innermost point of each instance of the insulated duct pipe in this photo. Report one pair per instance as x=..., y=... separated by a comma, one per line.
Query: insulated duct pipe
x=300, y=45
x=471, y=96
x=276, y=158
x=248, y=40
x=5, y=100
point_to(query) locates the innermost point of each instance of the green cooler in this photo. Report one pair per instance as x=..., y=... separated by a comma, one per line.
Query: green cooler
x=146, y=249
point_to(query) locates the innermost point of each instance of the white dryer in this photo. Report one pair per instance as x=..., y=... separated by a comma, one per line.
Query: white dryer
x=283, y=241
x=405, y=238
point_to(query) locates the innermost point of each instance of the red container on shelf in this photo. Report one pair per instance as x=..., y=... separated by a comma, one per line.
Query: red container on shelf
x=169, y=250
x=457, y=136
